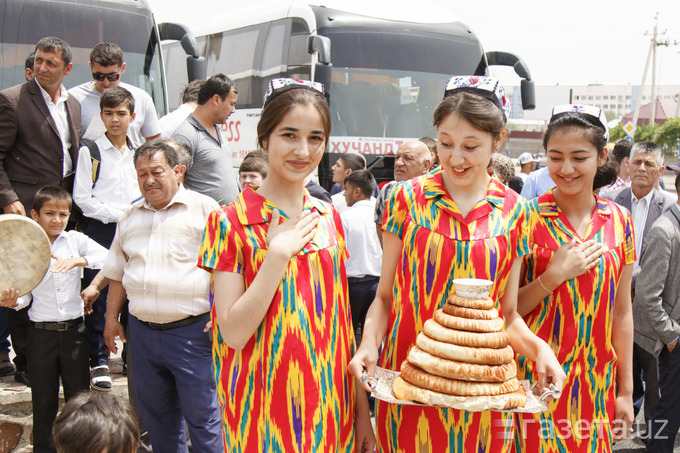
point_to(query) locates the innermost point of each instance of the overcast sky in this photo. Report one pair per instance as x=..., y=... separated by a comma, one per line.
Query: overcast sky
x=563, y=42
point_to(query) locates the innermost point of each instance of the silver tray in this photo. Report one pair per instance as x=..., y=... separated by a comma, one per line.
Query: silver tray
x=381, y=386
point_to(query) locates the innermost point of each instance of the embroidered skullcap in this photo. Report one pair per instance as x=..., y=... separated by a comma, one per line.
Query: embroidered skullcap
x=589, y=113
x=488, y=87
x=278, y=86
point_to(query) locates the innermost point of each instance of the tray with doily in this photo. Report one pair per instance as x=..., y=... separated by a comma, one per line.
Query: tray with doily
x=382, y=389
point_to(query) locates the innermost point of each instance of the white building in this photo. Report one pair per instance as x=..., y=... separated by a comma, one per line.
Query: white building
x=619, y=99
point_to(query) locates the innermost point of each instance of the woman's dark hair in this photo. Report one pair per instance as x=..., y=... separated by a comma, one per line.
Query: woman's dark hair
x=606, y=174
x=476, y=110
x=279, y=106
x=594, y=134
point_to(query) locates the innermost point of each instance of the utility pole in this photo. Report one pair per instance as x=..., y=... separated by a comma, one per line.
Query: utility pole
x=654, y=43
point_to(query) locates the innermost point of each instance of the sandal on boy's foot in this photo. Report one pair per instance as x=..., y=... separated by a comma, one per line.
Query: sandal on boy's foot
x=100, y=379
x=6, y=367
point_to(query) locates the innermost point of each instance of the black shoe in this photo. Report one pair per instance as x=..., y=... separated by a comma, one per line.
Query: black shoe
x=22, y=377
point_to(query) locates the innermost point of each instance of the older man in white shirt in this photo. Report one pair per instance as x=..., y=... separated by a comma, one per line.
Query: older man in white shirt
x=152, y=261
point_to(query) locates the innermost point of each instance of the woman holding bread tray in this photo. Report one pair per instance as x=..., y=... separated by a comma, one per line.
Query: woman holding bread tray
x=576, y=294
x=455, y=222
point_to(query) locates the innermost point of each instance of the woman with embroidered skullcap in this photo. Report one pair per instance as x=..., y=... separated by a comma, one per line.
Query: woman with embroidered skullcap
x=454, y=222
x=282, y=334
x=576, y=294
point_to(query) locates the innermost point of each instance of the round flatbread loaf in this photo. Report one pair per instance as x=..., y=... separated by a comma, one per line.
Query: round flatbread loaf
x=405, y=391
x=494, y=340
x=460, y=370
x=481, y=304
x=471, y=313
x=470, y=325
x=484, y=356
x=423, y=379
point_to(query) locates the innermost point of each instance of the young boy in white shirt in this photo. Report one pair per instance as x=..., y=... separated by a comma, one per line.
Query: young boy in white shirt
x=363, y=245
x=105, y=186
x=57, y=338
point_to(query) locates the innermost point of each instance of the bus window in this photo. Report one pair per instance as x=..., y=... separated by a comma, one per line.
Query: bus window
x=384, y=87
x=132, y=28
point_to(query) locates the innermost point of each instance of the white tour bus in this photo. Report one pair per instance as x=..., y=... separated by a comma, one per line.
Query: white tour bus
x=83, y=24
x=387, y=69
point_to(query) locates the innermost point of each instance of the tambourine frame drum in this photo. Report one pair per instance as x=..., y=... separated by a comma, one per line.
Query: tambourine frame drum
x=24, y=253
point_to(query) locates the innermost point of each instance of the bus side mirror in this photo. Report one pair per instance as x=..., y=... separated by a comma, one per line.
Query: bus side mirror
x=521, y=69
x=196, y=66
x=528, y=94
x=323, y=74
x=323, y=69
x=322, y=45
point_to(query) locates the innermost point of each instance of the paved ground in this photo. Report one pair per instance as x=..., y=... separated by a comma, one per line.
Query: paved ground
x=634, y=444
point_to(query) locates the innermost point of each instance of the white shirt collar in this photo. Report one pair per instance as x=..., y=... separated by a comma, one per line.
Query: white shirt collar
x=180, y=197
x=63, y=94
x=647, y=198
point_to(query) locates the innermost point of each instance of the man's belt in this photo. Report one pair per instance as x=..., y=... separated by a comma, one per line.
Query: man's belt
x=367, y=278
x=175, y=324
x=58, y=326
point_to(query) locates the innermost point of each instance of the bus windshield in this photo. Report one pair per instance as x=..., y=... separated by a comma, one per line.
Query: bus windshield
x=385, y=85
x=128, y=24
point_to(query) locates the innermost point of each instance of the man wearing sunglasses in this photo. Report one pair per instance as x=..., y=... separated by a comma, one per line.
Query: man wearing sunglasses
x=107, y=66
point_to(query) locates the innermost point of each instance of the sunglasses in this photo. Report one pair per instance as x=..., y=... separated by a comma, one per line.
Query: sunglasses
x=99, y=77
x=278, y=86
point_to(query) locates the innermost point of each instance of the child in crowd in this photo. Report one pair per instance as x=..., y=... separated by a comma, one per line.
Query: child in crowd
x=105, y=186
x=253, y=170
x=345, y=165
x=57, y=338
x=96, y=423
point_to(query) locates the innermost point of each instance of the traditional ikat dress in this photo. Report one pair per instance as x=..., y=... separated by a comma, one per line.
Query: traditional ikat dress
x=439, y=244
x=289, y=389
x=576, y=321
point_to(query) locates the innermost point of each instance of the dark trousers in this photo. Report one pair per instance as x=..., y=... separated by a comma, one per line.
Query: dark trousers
x=52, y=355
x=666, y=420
x=174, y=381
x=103, y=234
x=18, y=331
x=650, y=376
x=4, y=331
x=361, y=295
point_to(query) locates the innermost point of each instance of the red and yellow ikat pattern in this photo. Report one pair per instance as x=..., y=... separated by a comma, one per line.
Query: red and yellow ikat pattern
x=576, y=321
x=288, y=389
x=440, y=244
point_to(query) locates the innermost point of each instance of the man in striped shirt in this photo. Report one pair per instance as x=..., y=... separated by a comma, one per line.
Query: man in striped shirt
x=152, y=261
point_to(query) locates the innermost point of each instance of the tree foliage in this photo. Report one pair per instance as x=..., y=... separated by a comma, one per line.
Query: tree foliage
x=646, y=133
x=616, y=133
x=669, y=133
x=666, y=135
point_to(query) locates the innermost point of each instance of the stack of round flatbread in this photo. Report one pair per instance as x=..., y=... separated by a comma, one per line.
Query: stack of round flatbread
x=462, y=359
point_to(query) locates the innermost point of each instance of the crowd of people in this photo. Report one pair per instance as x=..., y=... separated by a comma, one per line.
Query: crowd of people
x=251, y=305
